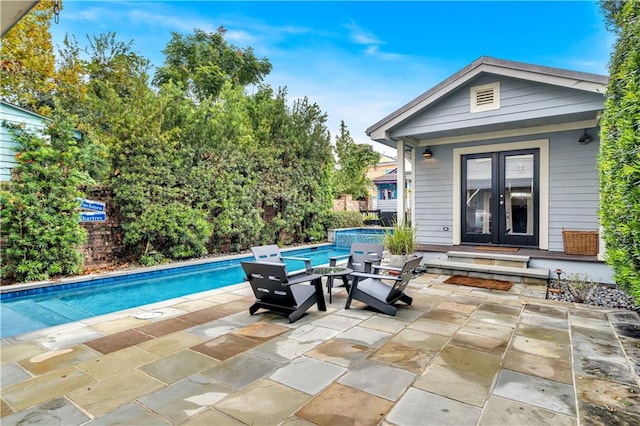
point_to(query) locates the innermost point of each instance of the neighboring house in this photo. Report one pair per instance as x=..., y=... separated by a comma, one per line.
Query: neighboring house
x=384, y=194
x=12, y=114
x=379, y=198
x=513, y=150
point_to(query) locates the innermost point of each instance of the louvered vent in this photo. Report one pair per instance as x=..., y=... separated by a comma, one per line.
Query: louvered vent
x=485, y=97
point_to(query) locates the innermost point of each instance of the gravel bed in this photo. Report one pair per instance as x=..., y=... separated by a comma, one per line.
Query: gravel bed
x=600, y=295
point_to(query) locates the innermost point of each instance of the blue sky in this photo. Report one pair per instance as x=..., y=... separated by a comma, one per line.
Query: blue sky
x=360, y=61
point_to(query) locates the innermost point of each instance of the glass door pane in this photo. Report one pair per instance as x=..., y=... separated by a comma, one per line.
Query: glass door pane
x=478, y=196
x=519, y=195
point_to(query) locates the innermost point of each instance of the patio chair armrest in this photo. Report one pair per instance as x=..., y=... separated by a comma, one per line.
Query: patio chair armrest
x=370, y=263
x=374, y=276
x=386, y=268
x=333, y=260
x=265, y=262
x=306, y=260
x=303, y=278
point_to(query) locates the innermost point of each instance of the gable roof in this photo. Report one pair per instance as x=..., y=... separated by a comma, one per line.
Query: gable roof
x=594, y=83
x=24, y=111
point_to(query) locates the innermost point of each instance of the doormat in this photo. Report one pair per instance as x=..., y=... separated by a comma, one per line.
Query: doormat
x=503, y=249
x=479, y=282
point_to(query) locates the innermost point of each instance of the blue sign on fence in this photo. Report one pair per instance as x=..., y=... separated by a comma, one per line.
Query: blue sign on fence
x=96, y=206
x=93, y=217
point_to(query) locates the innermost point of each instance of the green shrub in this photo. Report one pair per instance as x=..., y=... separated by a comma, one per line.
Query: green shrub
x=339, y=219
x=40, y=214
x=174, y=231
x=401, y=239
x=619, y=162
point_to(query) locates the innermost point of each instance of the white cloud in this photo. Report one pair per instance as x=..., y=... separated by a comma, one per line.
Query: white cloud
x=359, y=35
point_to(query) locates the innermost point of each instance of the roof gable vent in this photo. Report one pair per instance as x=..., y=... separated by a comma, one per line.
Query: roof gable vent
x=485, y=97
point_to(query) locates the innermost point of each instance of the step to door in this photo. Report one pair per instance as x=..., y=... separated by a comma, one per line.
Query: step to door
x=533, y=276
x=496, y=259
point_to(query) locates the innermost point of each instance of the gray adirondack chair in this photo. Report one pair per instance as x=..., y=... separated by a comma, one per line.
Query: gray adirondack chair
x=271, y=253
x=276, y=291
x=382, y=291
x=361, y=257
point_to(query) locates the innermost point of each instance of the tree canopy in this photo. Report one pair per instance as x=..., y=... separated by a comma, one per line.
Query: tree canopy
x=353, y=161
x=26, y=50
x=195, y=164
x=201, y=63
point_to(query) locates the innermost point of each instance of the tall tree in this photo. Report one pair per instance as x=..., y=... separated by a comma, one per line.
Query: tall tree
x=40, y=215
x=353, y=161
x=26, y=50
x=620, y=148
x=201, y=63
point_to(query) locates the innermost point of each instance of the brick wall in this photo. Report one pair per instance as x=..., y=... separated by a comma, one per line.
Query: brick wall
x=346, y=202
x=104, y=239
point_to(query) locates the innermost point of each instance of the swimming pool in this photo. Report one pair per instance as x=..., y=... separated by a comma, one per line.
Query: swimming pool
x=33, y=309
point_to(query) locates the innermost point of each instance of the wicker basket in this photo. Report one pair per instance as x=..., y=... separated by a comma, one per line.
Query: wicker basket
x=580, y=242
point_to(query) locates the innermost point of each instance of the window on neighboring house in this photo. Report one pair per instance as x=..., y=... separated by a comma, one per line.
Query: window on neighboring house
x=387, y=191
x=485, y=97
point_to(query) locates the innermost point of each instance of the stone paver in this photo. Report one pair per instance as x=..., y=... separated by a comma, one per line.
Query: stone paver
x=44, y=388
x=132, y=414
x=12, y=373
x=554, y=396
x=105, y=396
x=378, y=379
x=418, y=407
x=241, y=370
x=186, y=398
x=308, y=375
x=340, y=352
x=462, y=386
x=60, y=358
x=458, y=355
x=116, y=362
x=343, y=405
x=503, y=411
x=178, y=366
x=55, y=412
x=265, y=403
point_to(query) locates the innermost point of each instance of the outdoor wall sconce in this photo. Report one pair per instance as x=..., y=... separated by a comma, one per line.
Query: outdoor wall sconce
x=427, y=153
x=585, y=138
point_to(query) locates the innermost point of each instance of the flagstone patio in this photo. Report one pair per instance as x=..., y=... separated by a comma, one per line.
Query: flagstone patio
x=458, y=356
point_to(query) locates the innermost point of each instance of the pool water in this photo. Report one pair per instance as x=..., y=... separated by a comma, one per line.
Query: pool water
x=346, y=237
x=24, y=313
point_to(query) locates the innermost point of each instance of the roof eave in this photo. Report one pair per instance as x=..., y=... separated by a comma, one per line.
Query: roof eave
x=597, y=83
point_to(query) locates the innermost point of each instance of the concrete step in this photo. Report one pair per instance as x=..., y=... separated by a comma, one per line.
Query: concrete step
x=497, y=259
x=537, y=276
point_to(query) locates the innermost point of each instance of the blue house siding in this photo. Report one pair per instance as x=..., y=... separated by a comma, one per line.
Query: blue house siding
x=14, y=115
x=542, y=113
x=573, y=188
x=520, y=100
x=433, y=201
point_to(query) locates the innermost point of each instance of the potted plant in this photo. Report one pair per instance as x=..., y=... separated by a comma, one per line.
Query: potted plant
x=371, y=219
x=400, y=241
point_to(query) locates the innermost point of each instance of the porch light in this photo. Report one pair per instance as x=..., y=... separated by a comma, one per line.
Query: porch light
x=585, y=138
x=427, y=153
